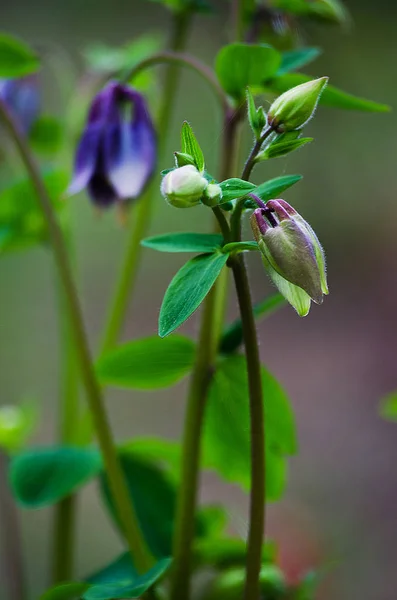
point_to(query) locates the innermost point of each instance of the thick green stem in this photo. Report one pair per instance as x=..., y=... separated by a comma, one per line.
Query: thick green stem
x=257, y=428
x=142, y=216
x=11, y=543
x=117, y=484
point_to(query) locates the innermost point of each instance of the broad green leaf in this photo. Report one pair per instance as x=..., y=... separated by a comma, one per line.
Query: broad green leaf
x=296, y=59
x=388, y=407
x=227, y=432
x=232, y=337
x=163, y=452
x=191, y=146
x=184, y=242
x=109, y=59
x=148, y=363
x=66, y=591
x=16, y=424
x=235, y=188
x=241, y=65
x=43, y=476
x=188, y=289
x=16, y=58
x=240, y=247
x=272, y=188
x=278, y=149
x=46, y=135
x=121, y=585
x=331, y=95
x=21, y=220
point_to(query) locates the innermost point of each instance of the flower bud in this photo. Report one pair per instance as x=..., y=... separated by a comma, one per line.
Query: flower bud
x=293, y=109
x=212, y=194
x=291, y=253
x=183, y=187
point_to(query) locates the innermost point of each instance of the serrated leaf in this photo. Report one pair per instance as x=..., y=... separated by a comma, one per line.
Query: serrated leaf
x=16, y=58
x=147, y=363
x=65, y=591
x=188, y=289
x=279, y=149
x=235, y=188
x=184, y=242
x=388, y=407
x=191, y=146
x=239, y=66
x=46, y=135
x=43, y=476
x=227, y=433
x=272, y=188
x=296, y=59
x=232, y=336
x=331, y=95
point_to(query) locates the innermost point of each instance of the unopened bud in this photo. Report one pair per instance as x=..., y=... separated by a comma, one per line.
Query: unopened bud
x=291, y=254
x=183, y=187
x=212, y=194
x=293, y=109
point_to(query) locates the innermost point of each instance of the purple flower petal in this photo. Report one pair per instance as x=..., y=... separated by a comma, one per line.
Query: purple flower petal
x=23, y=100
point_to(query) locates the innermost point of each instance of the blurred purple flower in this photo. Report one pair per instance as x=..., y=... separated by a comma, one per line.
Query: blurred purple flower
x=22, y=98
x=117, y=152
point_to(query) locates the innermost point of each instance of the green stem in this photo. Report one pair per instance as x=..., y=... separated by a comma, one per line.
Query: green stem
x=11, y=551
x=117, y=483
x=143, y=213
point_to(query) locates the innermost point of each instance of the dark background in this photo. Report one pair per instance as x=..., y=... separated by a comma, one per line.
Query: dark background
x=340, y=504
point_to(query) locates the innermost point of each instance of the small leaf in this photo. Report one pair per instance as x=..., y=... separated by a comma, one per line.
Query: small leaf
x=232, y=336
x=43, y=476
x=296, y=59
x=46, y=135
x=191, y=146
x=331, y=95
x=388, y=407
x=272, y=188
x=184, y=159
x=188, y=289
x=225, y=552
x=66, y=591
x=235, y=188
x=278, y=149
x=240, y=247
x=16, y=58
x=148, y=363
x=184, y=242
x=241, y=65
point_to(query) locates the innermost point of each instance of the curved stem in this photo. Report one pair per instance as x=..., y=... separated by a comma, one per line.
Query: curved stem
x=250, y=163
x=143, y=213
x=114, y=473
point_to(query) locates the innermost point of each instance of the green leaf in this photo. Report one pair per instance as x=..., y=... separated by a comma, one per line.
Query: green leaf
x=43, y=476
x=65, y=591
x=148, y=363
x=188, y=289
x=388, y=407
x=183, y=159
x=296, y=59
x=232, y=336
x=278, y=149
x=331, y=95
x=240, y=247
x=108, y=59
x=272, y=188
x=227, y=432
x=226, y=552
x=184, y=242
x=235, y=188
x=16, y=424
x=191, y=146
x=241, y=65
x=46, y=135
x=16, y=58
x=162, y=452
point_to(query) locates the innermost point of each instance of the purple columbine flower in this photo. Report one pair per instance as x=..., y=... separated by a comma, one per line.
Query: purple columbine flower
x=117, y=152
x=22, y=98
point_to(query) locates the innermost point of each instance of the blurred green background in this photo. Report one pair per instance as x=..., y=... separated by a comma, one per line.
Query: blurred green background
x=335, y=364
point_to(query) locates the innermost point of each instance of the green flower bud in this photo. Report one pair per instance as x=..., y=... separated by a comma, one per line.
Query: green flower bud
x=293, y=109
x=212, y=194
x=291, y=253
x=183, y=187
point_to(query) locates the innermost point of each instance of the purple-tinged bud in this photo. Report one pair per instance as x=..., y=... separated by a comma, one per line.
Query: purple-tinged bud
x=293, y=109
x=183, y=187
x=291, y=254
x=22, y=98
x=116, y=155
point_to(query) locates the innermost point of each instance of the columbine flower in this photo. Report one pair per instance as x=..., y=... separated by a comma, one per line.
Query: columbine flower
x=183, y=187
x=291, y=253
x=22, y=99
x=117, y=152
x=294, y=109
